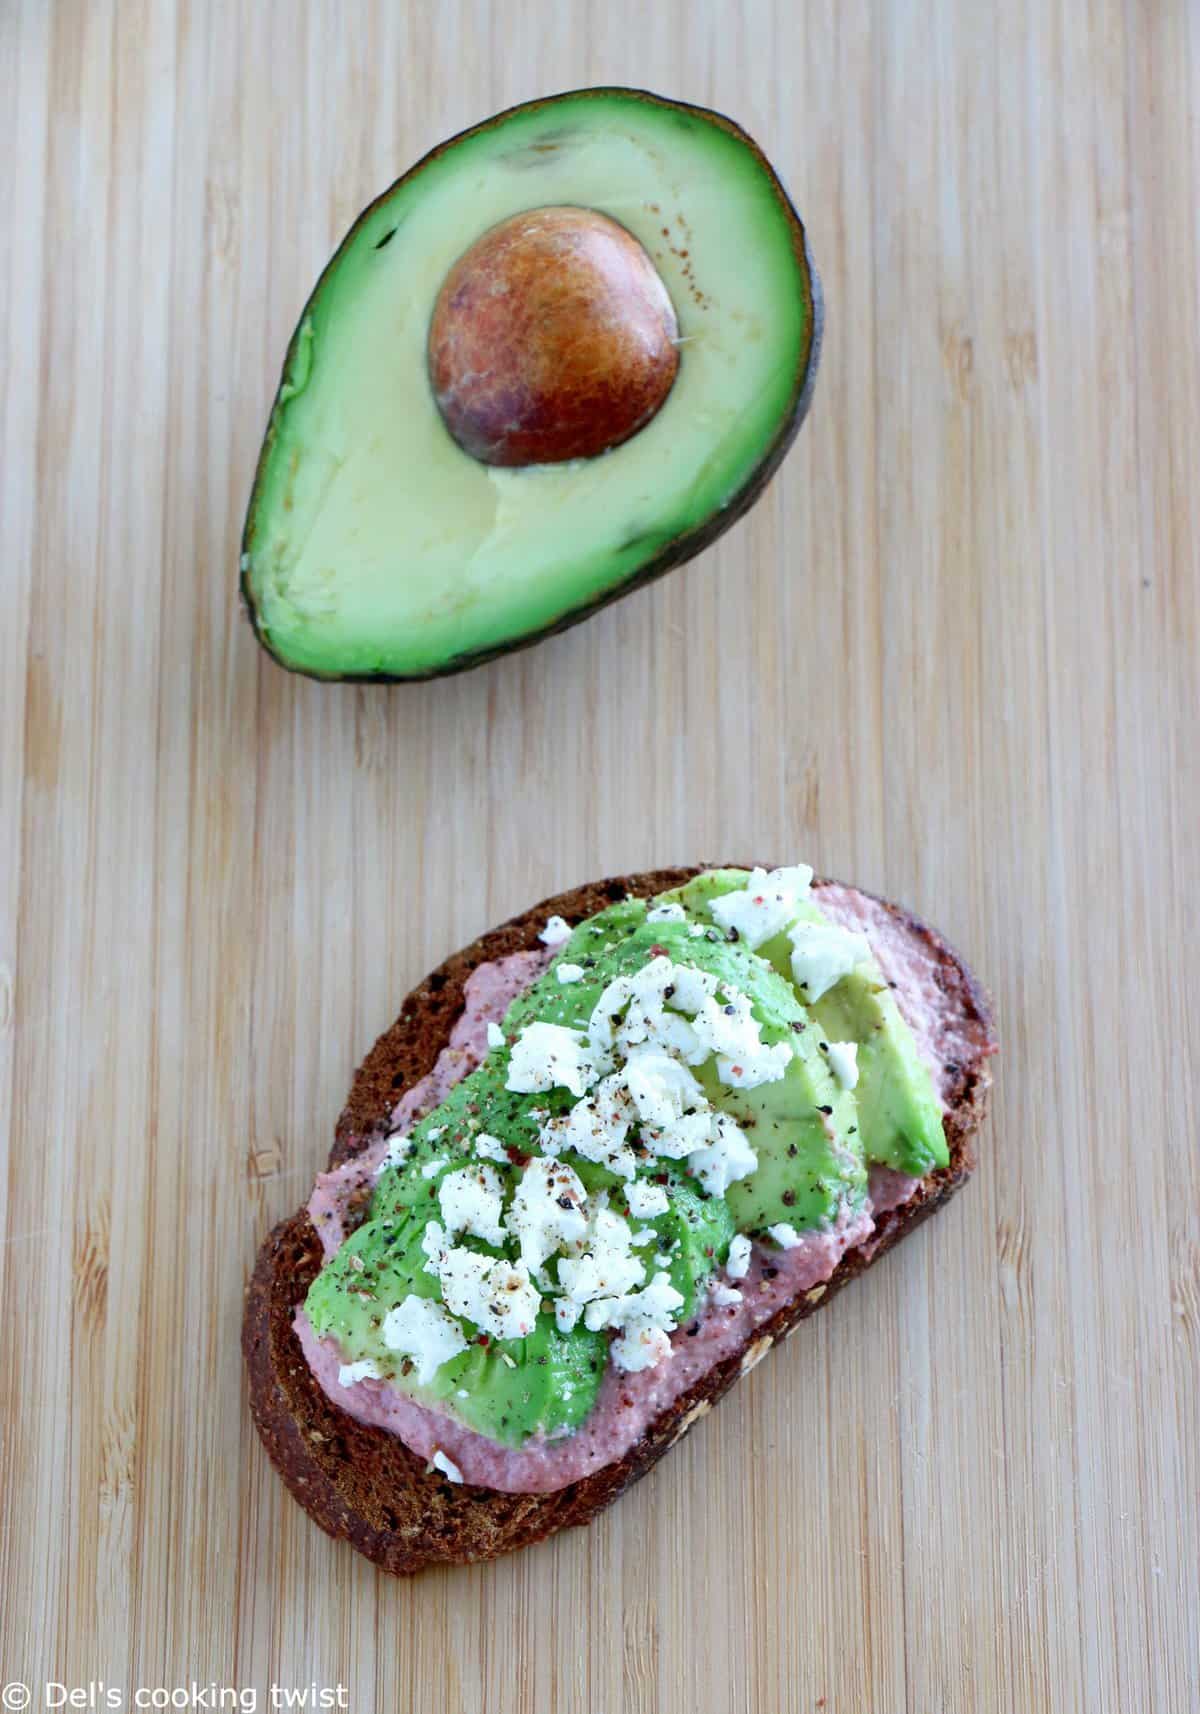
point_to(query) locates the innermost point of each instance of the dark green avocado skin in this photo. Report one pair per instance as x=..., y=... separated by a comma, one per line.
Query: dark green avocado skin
x=675, y=552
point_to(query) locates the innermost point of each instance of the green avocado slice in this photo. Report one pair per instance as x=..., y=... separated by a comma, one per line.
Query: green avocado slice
x=899, y=1116
x=500, y=1388
x=375, y=548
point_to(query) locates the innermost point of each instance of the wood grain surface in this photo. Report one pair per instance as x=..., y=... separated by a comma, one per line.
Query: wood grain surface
x=952, y=655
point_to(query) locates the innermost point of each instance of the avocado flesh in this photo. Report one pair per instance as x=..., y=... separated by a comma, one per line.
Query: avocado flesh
x=374, y=546
x=810, y=1166
x=501, y=1388
x=899, y=1116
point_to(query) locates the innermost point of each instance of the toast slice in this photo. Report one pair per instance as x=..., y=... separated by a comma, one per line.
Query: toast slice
x=361, y=1482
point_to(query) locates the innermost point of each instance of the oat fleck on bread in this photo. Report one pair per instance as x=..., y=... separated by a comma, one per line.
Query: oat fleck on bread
x=363, y=1483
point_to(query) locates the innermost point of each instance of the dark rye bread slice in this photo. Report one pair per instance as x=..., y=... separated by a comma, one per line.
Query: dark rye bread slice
x=363, y=1483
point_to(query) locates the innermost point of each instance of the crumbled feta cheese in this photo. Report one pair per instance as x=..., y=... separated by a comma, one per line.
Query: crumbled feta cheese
x=566, y=1314
x=785, y=1236
x=644, y=1235
x=350, y=1374
x=447, y=1466
x=646, y=1200
x=602, y=1265
x=569, y=972
x=662, y=1089
x=432, y=1168
x=549, y=1056
x=682, y=1137
x=737, y=1263
x=728, y=1028
x=613, y=1000
x=640, y=1347
x=548, y=1210
x=724, y=1296
x=435, y=1243
x=727, y=1158
x=843, y=1062
x=642, y=1320
x=648, y=1023
x=671, y=911
x=555, y=932
x=691, y=987
x=422, y=1328
x=744, y=1072
x=472, y=1200
x=495, y=1035
x=765, y=906
x=399, y=1148
x=434, y=1132
x=605, y=1273
x=596, y=1128
x=822, y=954
x=675, y=1035
x=490, y=1148
x=497, y=1295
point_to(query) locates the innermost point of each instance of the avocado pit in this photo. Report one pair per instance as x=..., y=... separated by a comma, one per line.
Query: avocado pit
x=553, y=338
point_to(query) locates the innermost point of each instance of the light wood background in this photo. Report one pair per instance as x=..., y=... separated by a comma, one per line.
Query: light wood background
x=953, y=655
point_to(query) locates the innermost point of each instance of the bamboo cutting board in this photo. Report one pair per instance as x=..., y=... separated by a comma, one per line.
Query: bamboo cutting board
x=952, y=656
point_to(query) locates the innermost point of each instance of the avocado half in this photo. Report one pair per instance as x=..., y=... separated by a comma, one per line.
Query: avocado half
x=375, y=547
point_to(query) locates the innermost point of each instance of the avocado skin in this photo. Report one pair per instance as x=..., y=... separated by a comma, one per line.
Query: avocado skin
x=673, y=553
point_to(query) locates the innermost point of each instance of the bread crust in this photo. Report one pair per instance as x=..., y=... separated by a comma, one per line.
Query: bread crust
x=361, y=1483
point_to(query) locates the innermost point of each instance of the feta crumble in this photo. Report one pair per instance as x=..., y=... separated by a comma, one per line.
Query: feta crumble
x=596, y=1128
x=737, y=1263
x=765, y=906
x=566, y=1314
x=447, y=1466
x=843, y=1062
x=670, y=911
x=472, y=1201
x=603, y=1265
x=350, y=1374
x=549, y=1056
x=642, y=1321
x=496, y=1294
x=398, y=1150
x=423, y=1329
x=555, y=932
x=727, y=1027
x=727, y=1158
x=662, y=1089
x=785, y=1235
x=548, y=1211
x=822, y=954
x=646, y=1200
x=490, y=1148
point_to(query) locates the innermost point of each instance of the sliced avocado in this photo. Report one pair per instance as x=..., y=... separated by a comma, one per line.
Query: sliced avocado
x=691, y=1238
x=802, y=1127
x=376, y=547
x=899, y=1115
x=504, y=1388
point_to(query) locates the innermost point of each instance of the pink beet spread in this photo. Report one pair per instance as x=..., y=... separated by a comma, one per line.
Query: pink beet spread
x=489, y=991
x=627, y=1404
